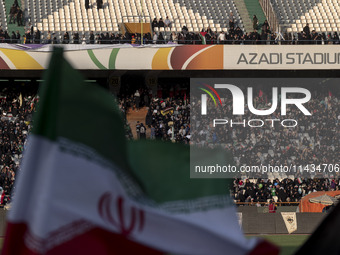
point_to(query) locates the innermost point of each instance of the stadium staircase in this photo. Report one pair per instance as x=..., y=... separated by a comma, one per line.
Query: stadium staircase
x=244, y=15
x=254, y=8
x=13, y=27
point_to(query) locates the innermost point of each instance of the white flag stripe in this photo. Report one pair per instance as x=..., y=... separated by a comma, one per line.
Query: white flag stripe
x=73, y=189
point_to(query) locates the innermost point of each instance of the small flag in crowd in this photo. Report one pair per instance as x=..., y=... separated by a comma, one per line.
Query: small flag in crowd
x=202, y=36
x=260, y=93
x=83, y=189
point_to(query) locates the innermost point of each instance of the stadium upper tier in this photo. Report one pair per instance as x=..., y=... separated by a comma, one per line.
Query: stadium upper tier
x=321, y=15
x=72, y=15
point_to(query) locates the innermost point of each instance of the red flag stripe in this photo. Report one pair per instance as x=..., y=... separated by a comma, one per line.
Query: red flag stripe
x=95, y=241
x=265, y=248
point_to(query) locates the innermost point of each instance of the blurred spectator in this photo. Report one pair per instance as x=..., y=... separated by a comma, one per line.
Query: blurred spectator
x=154, y=38
x=12, y=14
x=271, y=207
x=66, y=38
x=142, y=131
x=255, y=22
x=99, y=4
x=18, y=37
x=231, y=21
x=167, y=22
x=76, y=38
x=138, y=125
x=20, y=17
x=13, y=37
x=154, y=23
x=160, y=23
x=91, y=37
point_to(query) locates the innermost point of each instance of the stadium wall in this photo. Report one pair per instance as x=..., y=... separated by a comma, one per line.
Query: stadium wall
x=264, y=209
x=273, y=223
x=175, y=57
x=252, y=222
x=2, y=222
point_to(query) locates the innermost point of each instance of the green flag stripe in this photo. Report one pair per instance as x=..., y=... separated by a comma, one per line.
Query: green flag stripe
x=202, y=38
x=80, y=112
x=165, y=174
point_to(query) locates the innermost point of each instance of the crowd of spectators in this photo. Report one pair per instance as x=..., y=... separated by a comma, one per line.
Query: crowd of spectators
x=206, y=36
x=168, y=112
x=285, y=190
x=261, y=34
x=312, y=37
x=316, y=140
x=160, y=23
x=169, y=119
x=15, y=37
x=16, y=108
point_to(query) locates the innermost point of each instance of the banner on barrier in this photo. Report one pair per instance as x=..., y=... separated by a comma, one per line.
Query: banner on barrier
x=239, y=217
x=290, y=221
x=174, y=57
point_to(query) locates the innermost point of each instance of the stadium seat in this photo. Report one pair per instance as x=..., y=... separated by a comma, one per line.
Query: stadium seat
x=60, y=15
x=308, y=11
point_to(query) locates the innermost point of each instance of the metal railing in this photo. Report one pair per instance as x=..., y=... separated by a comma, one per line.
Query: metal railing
x=166, y=41
x=266, y=203
x=270, y=14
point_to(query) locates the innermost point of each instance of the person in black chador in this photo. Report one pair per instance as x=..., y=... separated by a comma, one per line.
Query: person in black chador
x=99, y=4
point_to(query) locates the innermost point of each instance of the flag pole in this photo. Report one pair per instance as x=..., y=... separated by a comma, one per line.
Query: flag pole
x=141, y=23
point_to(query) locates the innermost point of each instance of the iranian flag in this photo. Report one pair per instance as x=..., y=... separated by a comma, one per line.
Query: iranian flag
x=83, y=189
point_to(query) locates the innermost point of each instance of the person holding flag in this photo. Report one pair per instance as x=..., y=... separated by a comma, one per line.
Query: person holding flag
x=202, y=36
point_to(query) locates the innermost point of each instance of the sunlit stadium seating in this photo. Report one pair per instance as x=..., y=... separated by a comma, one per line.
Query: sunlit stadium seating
x=321, y=15
x=71, y=15
x=3, y=19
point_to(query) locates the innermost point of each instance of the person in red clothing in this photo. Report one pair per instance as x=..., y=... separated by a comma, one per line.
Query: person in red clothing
x=272, y=207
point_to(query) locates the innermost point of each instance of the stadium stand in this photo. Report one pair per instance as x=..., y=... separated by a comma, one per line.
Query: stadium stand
x=55, y=18
x=280, y=146
x=321, y=15
x=16, y=107
x=279, y=190
x=66, y=15
x=212, y=13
